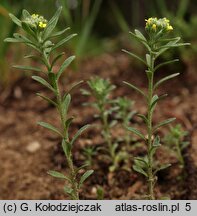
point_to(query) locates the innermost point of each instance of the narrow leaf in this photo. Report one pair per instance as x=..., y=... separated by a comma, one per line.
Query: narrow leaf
x=137, y=132
x=79, y=132
x=47, y=99
x=143, y=117
x=66, y=103
x=84, y=177
x=135, y=56
x=135, y=88
x=66, y=147
x=50, y=127
x=140, y=35
x=140, y=170
x=165, y=122
x=158, y=98
x=153, y=102
x=15, y=19
x=148, y=60
x=52, y=23
x=27, y=68
x=68, y=122
x=65, y=65
x=60, y=43
x=156, y=141
x=58, y=175
x=12, y=40
x=74, y=86
x=22, y=38
x=165, y=79
x=165, y=63
x=68, y=190
x=57, y=58
x=25, y=14
x=43, y=82
x=59, y=33
x=162, y=167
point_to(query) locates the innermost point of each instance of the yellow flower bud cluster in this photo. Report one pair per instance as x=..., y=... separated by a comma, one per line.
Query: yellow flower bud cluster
x=37, y=22
x=155, y=25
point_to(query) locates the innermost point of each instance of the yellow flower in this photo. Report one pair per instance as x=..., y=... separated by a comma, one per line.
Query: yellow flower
x=166, y=20
x=148, y=21
x=34, y=16
x=42, y=25
x=169, y=28
x=154, y=27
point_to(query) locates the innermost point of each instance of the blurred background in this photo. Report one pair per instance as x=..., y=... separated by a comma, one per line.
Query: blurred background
x=102, y=26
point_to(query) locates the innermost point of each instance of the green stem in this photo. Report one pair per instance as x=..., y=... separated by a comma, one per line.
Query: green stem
x=69, y=157
x=150, y=132
x=74, y=183
x=179, y=154
x=107, y=135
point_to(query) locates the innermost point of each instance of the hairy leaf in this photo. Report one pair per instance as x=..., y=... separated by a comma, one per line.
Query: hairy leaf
x=143, y=117
x=84, y=177
x=140, y=170
x=165, y=79
x=59, y=32
x=165, y=122
x=15, y=19
x=51, y=24
x=135, y=88
x=135, y=56
x=58, y=175
x=27, y=68
x=47, y=99
x=65, y=65
x=57, y=58
x=79, y=132
x=68, y=190
x=66, y=103
x=137, y=132
x=43, y=82
x=165, y=63
x=60, y=43
x=50, y=127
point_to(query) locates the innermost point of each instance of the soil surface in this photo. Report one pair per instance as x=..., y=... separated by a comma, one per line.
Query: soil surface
x=28, y=151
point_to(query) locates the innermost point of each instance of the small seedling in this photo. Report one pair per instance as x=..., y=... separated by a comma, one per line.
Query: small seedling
x=89, y=152
x=175, y=141
x=101, y=90
x=39, y=35
x=124, y=114
x=156, y=42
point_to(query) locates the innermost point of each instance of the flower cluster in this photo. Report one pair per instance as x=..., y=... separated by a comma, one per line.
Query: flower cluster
x=154, y=25
x=36, y=22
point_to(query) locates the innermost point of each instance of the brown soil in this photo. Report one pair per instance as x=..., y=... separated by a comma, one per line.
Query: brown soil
x=28, y=151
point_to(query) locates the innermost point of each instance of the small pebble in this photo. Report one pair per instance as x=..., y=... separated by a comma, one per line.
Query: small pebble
x=33, y=147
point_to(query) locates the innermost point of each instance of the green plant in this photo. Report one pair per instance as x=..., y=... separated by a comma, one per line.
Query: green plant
x=89, y=152
x=125, y=115
x=156, y=44
x=39, y=33
x=100, y=193
x=101, y=90
x=175, y=141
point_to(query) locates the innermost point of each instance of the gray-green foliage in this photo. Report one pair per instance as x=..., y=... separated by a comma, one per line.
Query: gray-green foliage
x=156, y=43
x=124, y=114
x=89, y=152
x=39, y=35
x=101, y=90
x=175, y=141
